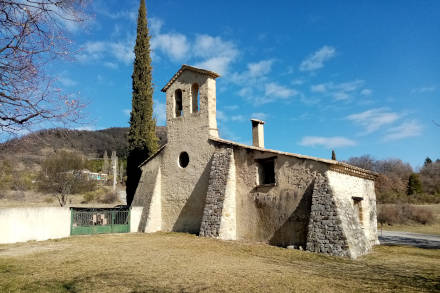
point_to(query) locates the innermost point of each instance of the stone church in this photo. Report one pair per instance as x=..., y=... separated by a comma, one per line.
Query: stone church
x=202, y=184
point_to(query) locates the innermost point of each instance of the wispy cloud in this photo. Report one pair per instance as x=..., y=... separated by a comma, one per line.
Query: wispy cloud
x=366, y=92
x=328, y=142
x=66, y=81
x=316, y=60
x=339, y=91
x=273, y=89
x=260, y=115
x=298, y=81
x=126, y=112
x=404, y=130
x=96, y=50
x=425, y=89
x=374, y=119
x=218, y=54
x=254, y=73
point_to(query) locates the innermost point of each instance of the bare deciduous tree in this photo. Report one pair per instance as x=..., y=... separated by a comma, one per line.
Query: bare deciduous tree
x=33, y=33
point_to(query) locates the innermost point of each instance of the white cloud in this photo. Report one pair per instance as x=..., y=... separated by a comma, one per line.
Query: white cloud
x=217, y=53
x=66, y=81
x=404, y=130
x=121, y=51
x=221, y=116
x=260, y=68
x=155, y=25
x=366, y=92
x=426, y=89
x=317, y=59
x=297, y=82
x=216, y=64
x=328, y=142
x=110, y=65
x=275, y=90
x=259, y=115
x=126, y=112
x=338, y=91
x=319, y=88
x=374, y=119
x=237, y=118
x=174, y=45
x=255, y=72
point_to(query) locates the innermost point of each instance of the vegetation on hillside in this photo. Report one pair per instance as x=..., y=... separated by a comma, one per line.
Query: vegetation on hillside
x=93, y=144
x=61, y=175
x=398, y=182
x=142, y=140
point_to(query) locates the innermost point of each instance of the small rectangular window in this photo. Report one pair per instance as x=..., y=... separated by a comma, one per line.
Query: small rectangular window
x=357, y=202
x=266, y=171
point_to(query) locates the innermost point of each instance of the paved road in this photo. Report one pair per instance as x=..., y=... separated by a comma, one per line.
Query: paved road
x=408, y=238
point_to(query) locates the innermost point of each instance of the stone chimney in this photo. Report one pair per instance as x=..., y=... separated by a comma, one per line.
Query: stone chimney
x=257, y=133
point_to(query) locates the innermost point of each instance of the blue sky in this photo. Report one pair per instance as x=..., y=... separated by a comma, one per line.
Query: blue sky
x=360, y=77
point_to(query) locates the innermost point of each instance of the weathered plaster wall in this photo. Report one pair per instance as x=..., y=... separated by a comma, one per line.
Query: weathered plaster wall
x=37, y=223
x=228, y=222
x=277, y=214
x=184, y=189
x=361, y=235
x=148, y=195
x=135, y=218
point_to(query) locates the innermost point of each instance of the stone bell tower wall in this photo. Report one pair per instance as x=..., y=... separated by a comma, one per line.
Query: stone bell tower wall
x=184, y=188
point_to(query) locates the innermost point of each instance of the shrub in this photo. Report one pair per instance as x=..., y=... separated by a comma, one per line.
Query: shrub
x=88, y=197
x=393, y=214
x=93, y=195
x=109, y=198
x=48, y=200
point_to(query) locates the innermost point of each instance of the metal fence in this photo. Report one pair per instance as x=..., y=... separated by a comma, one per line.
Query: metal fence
x=99, y=221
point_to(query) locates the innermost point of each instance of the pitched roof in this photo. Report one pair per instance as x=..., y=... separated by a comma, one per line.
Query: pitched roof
x=191, y=68
x=337, y=166
x=153, y=155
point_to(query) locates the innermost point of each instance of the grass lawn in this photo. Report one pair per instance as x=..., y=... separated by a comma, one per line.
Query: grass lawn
x=433, y=228
x=168, y=262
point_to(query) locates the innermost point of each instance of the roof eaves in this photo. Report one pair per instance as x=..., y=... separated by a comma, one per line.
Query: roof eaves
x=338, y=166
x=191, y=68
x=152, y=156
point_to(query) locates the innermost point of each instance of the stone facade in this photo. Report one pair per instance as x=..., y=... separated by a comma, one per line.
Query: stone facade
x=199, y=183
x=212, y=214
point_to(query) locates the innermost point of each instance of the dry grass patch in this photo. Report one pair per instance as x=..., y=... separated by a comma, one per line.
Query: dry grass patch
x=168, y=262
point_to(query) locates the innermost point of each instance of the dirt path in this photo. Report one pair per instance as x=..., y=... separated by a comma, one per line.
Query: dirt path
x=408, y=238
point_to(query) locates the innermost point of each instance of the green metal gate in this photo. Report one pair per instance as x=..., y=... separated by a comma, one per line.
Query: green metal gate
x=99, y=221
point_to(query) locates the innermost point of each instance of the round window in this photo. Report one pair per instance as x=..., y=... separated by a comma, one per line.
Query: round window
x=183, y=159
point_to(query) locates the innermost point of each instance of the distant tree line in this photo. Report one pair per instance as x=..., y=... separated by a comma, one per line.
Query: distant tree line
x=398, y=182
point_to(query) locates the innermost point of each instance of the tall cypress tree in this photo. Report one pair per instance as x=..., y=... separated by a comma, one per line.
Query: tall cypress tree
x=142, y=139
